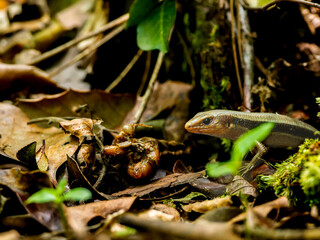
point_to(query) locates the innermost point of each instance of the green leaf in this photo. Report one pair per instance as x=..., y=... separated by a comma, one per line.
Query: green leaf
x=43, y=196
x=257, y=3
x=78, y=194
x=139, y=10
x=240, y=148
x=61, y=186
x=154, y=30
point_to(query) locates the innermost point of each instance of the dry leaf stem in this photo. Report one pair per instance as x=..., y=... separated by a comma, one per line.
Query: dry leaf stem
x=145, y=98
x=73, y=42
x=87, y=51
x=125, y=71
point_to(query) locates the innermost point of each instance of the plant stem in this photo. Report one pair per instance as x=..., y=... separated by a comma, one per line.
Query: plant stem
x=64, y=221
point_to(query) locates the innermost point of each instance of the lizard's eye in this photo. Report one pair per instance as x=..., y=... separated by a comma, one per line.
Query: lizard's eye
x=206, y=121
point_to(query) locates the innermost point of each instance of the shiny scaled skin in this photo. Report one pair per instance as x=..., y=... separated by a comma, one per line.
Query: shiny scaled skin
x=287, y=132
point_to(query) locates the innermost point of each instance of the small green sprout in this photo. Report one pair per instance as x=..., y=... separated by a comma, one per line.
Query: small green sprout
x=240, y=148
x=58, y=196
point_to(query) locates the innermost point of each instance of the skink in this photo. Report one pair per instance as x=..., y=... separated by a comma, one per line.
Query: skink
x=287, y=132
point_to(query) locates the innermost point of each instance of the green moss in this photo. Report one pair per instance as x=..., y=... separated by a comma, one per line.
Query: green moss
x=298, y=178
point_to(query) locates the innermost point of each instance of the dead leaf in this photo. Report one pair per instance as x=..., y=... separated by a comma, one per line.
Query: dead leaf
x=96, y=104
x=26, y=183
x=80, y=128
x=167, y=210
x=10, y=235
x=209, y=188
x=79, y=216
x=239, y=185
x=264, y=209
x=21, y=76
x=207, y=205
x=170, y=181
x=16, y=133
x=41, y=158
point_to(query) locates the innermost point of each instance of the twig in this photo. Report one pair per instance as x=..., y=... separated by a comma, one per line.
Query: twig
x=73, y=42
x=234, y=47
x=312, y=4
x=145, y=74
x=247, y=56
x=269, y=5
x=81, y=55
x=183, y=230
x=147, y=94
x=188, y=58
x=125, y=71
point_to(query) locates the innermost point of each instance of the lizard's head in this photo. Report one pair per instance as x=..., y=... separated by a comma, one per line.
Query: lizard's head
x=214, y=123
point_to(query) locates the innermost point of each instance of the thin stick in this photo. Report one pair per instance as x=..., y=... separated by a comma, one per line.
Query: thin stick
x=234, y=47
x=73, y=42
x=247, y=56
x=267, y=6
x=145, y=98
x=145, y=74
x=312, y=4
x=81, y=55
x=188, y=58
x=125, y=71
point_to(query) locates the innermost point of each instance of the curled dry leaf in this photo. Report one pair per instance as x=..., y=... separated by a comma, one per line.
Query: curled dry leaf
x=79, y=216
x=264, y=209
x=239, y=185
x=161, y=212
x=80, y=128
x=14, y=75
x=207, y=205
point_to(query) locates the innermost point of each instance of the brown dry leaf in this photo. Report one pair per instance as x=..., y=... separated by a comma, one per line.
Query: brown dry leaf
x=41, y=158
x=96, y=104
x=10, y=235
x=170, y=181
x=168, y=210
x=74, y=15
x=239, y=185
x=80, y=128
x=25, y=183
x=161, y=212
x=208, y=205
x=19, y=75
x=264, y=209
x=79, y=216
x=209, y=188
x=16, y=134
